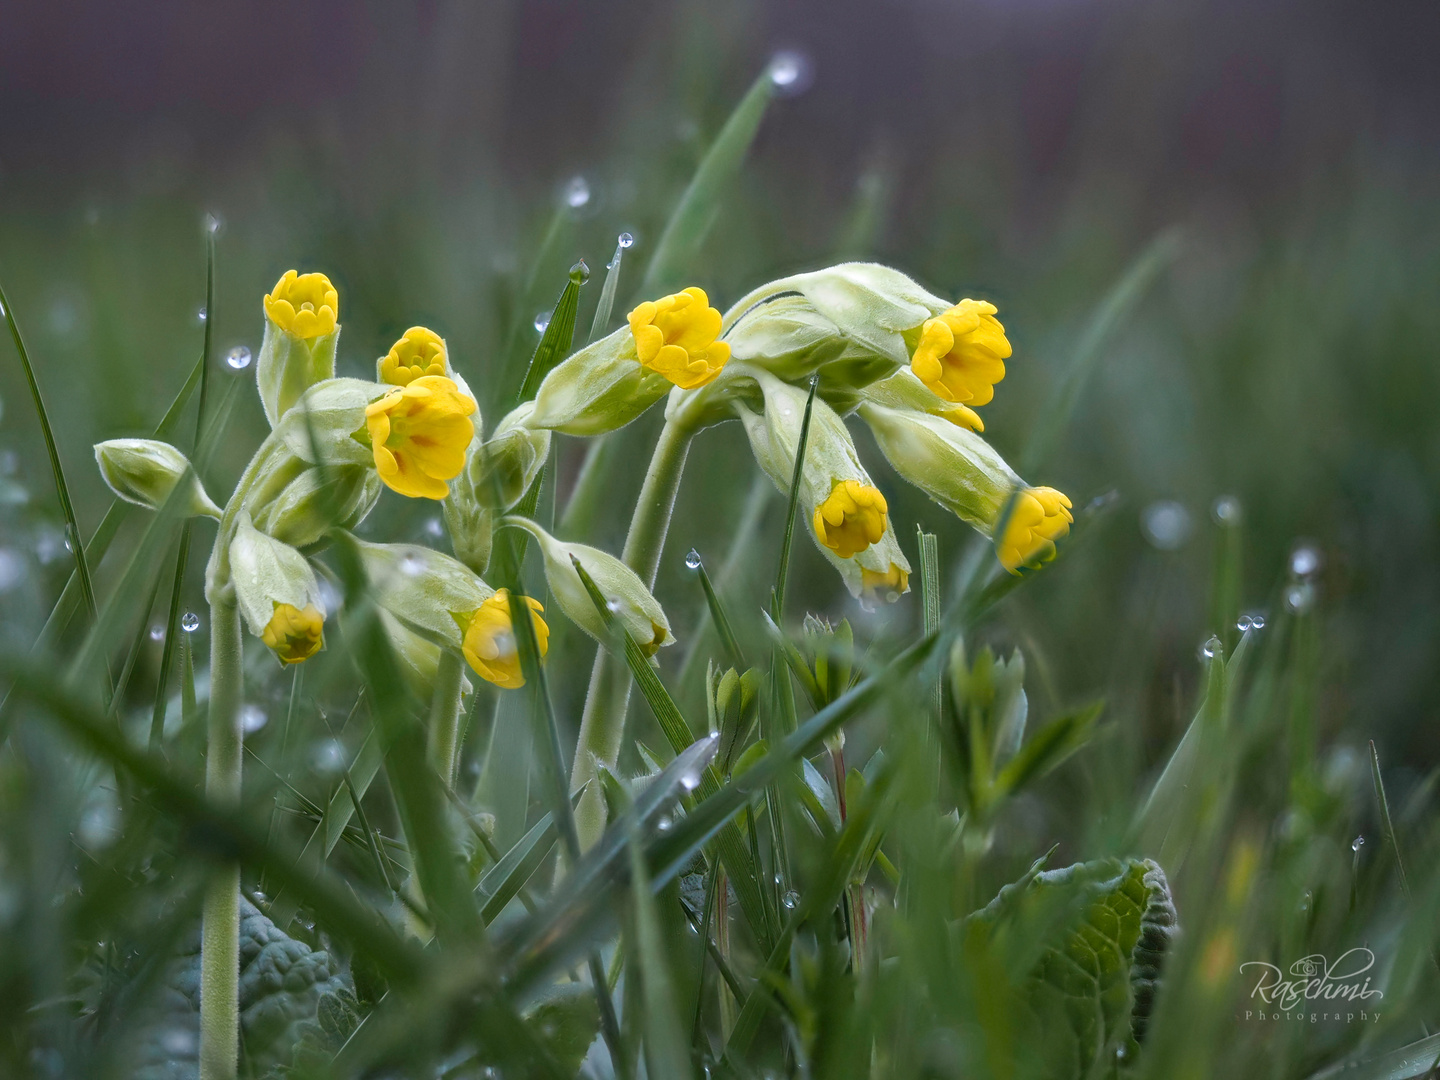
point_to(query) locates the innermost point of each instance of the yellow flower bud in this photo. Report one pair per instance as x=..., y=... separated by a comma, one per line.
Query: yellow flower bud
x=851, y=518
x=675, y=336
x=890, y=584
x=301, y=332
x=961, y=353
x=305, y=305
x=1039, y=518
x=419, y=434
x=489, y=644
x=145, y=472
x=294, y=634
x=418, y=353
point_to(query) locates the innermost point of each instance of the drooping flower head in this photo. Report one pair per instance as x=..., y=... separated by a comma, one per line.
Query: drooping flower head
x=1040, y=516
x=675, y=336
x=305, y=305
x=418, y=353
x=851, y=519
x=961, y=354
x=489, y=644
x=294, y=634
x=419, y=433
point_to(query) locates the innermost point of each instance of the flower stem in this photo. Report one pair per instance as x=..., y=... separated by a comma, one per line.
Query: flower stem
x=603, y=722
x=444, y=734
x=220, y=941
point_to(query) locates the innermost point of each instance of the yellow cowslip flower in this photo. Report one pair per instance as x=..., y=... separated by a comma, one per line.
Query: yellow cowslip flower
x=1040, y=517
x=961, y=354
x=892, y=584
x=418, y=353
x=294, y=634
x=675, y=337
x=851, y=518
x=489, y=644
x=419, y=433
x=305, y=305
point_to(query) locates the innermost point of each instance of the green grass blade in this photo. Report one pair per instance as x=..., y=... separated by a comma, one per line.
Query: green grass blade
x=62, y=490
x=777, y=595
x=1117, y=305
x=606, y=304
x=665, y=1053
x=675, y=255
x=733, y=652
x=559, y=336
x=167, y=653
x=503, y=882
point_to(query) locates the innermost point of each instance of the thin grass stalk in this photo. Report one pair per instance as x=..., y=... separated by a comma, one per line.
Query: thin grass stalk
x=445, y=714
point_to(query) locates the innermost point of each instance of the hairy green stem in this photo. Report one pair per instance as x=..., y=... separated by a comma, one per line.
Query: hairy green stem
x=603, y=722
x=220, y=941
x=444, y=734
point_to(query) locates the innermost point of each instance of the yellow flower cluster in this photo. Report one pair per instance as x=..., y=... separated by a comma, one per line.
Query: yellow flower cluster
x=851, y=518
x=419, y=433
x=489, y=644
x=293, y=634
x=418, y=353
x=1040, y=516
x=961, y=355
x=305, y=305
x=675, y=336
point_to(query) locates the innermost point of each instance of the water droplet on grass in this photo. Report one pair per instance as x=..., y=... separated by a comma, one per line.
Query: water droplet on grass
x=664, y=824
x=692, y=559
x=612, y=605
x=214, y=223
x=625, y=240
x=412, y=565
x=690, y=781
x=542, y=320
x=190, y=622
x=1300, y=598
x=157, y=632
x=1357, y=843
x=790, y=72
x=327, y=757
x=1227, y=511
x=238, y=358
x=1305, y=561
x=577, y=193
x=1211, y=648
x=252, y=718
x=1166, y=524
x=434, y=528
x=202, y=315
x=790, y=899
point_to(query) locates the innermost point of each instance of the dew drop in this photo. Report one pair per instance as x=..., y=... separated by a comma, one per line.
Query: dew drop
x=790, y=899
x=612, y=605
x=433, y=528
x=1166, y=524
x=690, y=781
x=189, y=622
x=1211, y=648
x=411, y=565
x=1300, y=598
x=252, y=718
x=157, y=632
x=577, y=193
x=692, y=559
x=1305, y=561
x=505, y=644
x=580, y=272
x=214, y=223
x=1244, y=623
x=1227, y=511
x=201, y=315
x=238, y=358
x=1120, y=1053
x=1257, y=621
x=625, y=240
x=1357, y=843
x=714, y=735
x=542, y=320
x=327, y=757
x=790, y=72
x=665, y=824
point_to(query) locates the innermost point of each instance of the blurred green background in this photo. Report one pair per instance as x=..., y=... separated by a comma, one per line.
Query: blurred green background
x=1025, y=152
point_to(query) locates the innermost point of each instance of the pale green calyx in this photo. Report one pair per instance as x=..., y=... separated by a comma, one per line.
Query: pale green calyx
x=626, y=596
x=145, y=472
x=598, y=389
x=498, y=473
x=268, y=574
x=315, y=499
x=430, y=593
x=326, y=426
x=951, y=464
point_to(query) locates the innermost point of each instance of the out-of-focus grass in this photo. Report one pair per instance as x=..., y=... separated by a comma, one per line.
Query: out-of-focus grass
x=1287, y=363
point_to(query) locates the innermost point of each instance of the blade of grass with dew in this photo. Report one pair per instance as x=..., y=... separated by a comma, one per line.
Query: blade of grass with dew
x=731, y=844
x=559, y=335
x=665, y=1052
x=62, y=490
x=680, y=242
x=721, y=621
x=548, y=732
x=1386, y=823
x=136, y=644
x=503, y=882
x=1118, y=303
x=606, y=303
x=777, y=593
